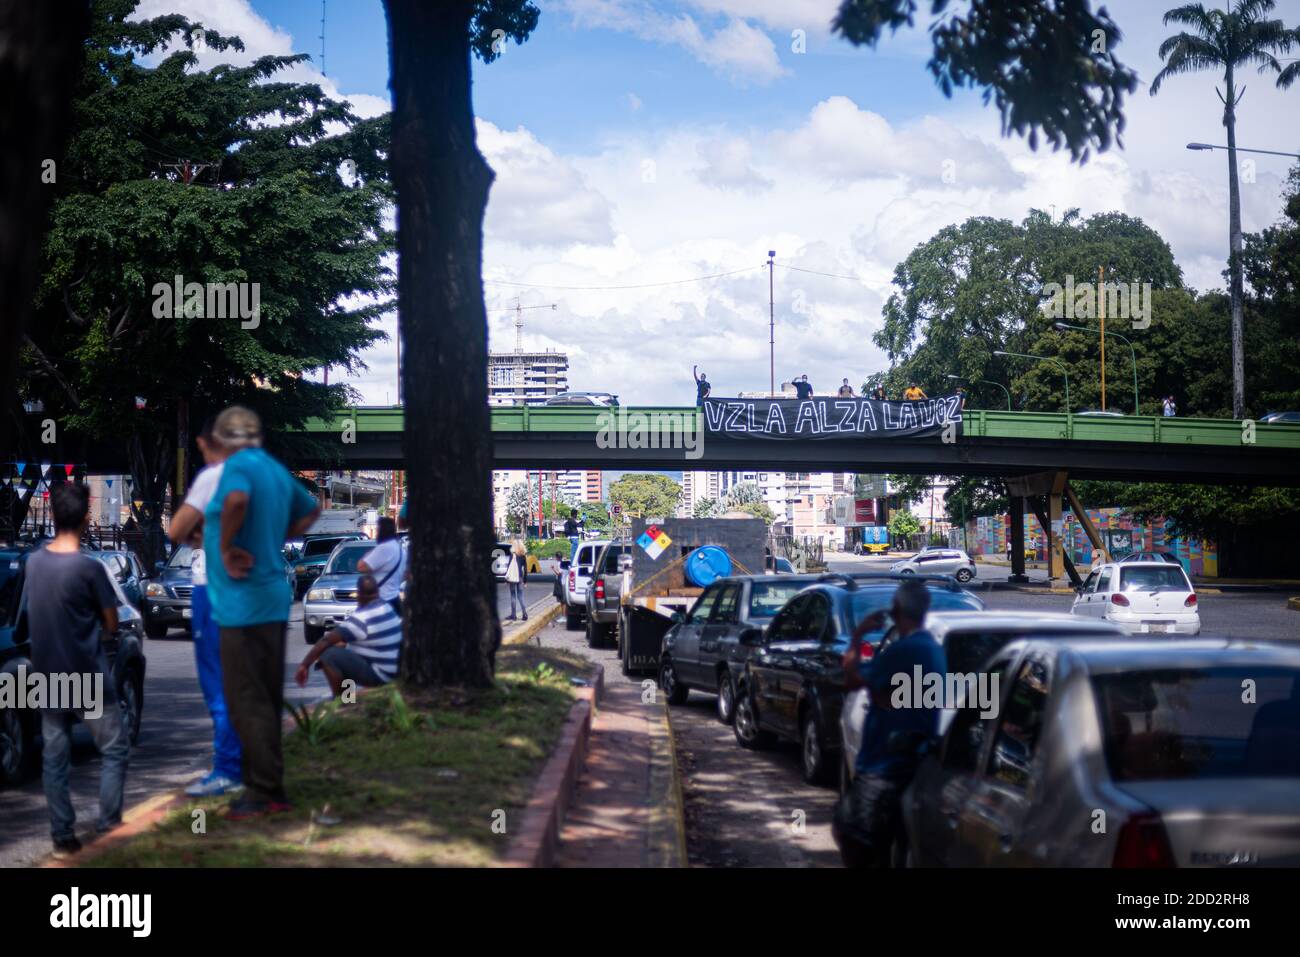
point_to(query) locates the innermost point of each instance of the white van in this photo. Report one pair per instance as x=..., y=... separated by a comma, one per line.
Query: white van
x=1142, y=598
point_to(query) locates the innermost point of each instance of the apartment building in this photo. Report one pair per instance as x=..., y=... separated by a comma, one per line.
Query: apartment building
x=526, y=378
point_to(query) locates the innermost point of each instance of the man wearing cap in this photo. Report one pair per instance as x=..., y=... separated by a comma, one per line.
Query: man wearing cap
x=256, y=507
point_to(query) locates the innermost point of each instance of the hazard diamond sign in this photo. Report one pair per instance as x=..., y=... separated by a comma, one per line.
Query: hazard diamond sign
x=653, y=541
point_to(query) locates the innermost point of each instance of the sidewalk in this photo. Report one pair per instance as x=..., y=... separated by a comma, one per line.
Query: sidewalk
x=627, y=811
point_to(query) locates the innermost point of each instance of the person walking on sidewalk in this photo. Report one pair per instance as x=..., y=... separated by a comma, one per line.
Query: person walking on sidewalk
x=363, y=648
x=387, y=562
x=187, y=528
x=516, y=576
x=69, y=598
x=256, y=507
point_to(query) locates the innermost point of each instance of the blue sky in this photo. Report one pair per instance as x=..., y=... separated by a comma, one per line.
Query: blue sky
x=642, y=142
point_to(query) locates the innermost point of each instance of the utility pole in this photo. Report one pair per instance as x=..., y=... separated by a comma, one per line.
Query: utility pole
x=771, y=323
x=322, y=38
x=1101, y=301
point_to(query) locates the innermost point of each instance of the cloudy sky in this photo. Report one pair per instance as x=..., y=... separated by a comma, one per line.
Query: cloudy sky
x=641, y=143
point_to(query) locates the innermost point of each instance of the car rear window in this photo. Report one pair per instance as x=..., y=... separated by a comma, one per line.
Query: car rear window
x=966, y=651
x=941, y=599
x=1149, y=577
x=767, y=598
x=1177, y=724
x=319, y=546
x=612, y=555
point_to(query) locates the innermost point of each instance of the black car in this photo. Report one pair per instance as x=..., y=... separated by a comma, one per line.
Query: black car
x=696, y=651
x=19, y=727
x=791, y=683
x=167, y=596
x=124, y=566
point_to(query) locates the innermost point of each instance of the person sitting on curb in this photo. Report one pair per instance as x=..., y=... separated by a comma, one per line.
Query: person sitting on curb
x=362, y=648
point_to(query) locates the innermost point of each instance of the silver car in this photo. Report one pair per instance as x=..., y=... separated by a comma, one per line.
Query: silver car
x=938, y=561
x=969, y=638
x=1119, y=753
x=333, y=596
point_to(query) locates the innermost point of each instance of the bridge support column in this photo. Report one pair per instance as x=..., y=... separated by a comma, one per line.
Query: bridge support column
x=1016, y=539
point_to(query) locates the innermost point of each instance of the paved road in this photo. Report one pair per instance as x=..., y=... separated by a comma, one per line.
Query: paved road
x=175, y=744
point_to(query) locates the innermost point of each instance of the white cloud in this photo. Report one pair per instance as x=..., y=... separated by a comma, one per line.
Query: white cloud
x=727, y=166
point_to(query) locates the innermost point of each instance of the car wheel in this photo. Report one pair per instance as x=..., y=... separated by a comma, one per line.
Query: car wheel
x=673, y=690
x=572, y=618
x=748, y=734
x=155, y=631
x=810, y=750
x=907, y=571
x=964, y=575
x=593, y=637
x=130, y=698
x=726, y=698
x=15, y=747
x=312, y=633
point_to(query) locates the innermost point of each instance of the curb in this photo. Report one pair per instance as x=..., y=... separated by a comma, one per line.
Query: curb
x=667, y=837
x=136, y=821
x=536, y=622
x=538, y=837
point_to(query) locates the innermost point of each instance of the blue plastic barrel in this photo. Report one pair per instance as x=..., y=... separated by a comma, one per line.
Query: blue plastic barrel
x=707, y=564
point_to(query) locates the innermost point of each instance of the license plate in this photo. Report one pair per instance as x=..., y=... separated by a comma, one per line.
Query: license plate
x=185, y=613
x=1156, y=627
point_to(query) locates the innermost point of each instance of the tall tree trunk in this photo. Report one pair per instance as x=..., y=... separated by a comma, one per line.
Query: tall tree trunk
x=41, y=51
x=442, y=182
x=1234, y=254
x=152, y=461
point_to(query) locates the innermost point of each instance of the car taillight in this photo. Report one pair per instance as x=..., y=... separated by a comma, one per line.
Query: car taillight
x=1190, y=602
x=868, y=649
x=1143, y=843
x=600, y=589
x=573, y=580
x=1117, y=599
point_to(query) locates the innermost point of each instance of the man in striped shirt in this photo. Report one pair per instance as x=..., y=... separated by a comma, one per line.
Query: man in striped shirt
x=362, y=648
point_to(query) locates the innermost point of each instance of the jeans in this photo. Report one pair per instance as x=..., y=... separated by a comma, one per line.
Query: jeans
x=517, y=594
x=226, y=753
x=111, y=740
x=867, y=824
x=573, y=552
x=252, y=666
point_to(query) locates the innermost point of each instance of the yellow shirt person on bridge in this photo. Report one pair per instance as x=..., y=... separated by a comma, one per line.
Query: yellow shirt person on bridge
x=913, y=392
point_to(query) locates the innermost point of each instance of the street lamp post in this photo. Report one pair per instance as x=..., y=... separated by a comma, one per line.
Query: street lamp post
x=1055, y=362
x=1131, y=351
x=986, y=382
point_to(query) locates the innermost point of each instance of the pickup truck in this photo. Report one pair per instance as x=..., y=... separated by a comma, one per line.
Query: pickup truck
x=574, y=578
x=604, y=590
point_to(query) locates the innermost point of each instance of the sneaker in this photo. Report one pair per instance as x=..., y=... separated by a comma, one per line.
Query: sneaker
x=213, y=785
x=512, y=618
x=66, y=846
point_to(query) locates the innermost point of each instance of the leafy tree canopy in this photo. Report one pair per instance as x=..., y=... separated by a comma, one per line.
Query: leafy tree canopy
x=646, y=495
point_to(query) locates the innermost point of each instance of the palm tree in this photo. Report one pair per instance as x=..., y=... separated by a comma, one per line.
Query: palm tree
x=1226, y=40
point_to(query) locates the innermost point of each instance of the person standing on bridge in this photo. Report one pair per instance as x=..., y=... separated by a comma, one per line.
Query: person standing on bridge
x=802, y=388
x=914, y=393
x=846, y=390
x=1170, y=407
x=258, y=504
x=878, y=393
x=702, y=387
x=187, y=527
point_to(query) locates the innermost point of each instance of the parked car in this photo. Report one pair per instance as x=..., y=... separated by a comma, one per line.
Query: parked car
x=699, y=651
x=316, y=550
x=778, y=566
x=791, y=683
x=603, y=591
x=938, y=561
x=333, y=595
x=1150, y=557
x=1152, y=737
x=125, y=568
x=167, y=595
x=1281, y=417
x=969, y=639
x=1141, y=598
x=583, y=398
x=575, y=576
x=124, y=649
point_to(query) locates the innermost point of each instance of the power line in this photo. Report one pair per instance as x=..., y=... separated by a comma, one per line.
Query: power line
x=646, y=285
x=828, y=275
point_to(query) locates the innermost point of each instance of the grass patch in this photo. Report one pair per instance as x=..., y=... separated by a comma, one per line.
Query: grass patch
x=399, y=778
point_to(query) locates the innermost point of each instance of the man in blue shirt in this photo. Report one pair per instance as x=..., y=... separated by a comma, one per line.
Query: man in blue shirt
x=867, y=823
x=256, y=507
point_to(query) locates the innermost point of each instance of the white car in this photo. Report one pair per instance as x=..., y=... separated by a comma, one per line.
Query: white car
x=575, y=576
x=969, y=639
x=938, y=561
x=1141, y=598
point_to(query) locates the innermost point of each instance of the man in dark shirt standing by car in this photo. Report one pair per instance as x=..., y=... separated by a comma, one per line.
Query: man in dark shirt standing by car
x=69, y=598
x=871, y=813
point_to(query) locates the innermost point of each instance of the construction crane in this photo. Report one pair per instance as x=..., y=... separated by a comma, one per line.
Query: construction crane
x=518, y=310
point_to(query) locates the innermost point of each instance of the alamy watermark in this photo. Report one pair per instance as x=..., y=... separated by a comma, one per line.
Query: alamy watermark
x=209, y=300
x=651, y=430
x=37, y=691
x=932, y=689
x=1121, y=300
